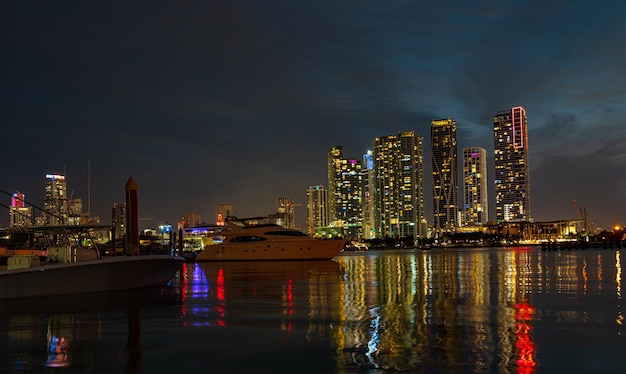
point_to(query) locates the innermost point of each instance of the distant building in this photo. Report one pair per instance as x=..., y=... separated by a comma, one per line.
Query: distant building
x=398, y=185
x=367, y=201
x=445, y=174
x=344, y=188
x=475, y=201
x=19, y=213
x=223, y=211
x=285, y=209
x=55, y=200
x=192, y=219
x=118, y=219
x=75, y=212
x=318, y=214
x=512, y=177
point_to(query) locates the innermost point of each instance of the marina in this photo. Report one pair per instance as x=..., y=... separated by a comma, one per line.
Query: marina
x=455, y=310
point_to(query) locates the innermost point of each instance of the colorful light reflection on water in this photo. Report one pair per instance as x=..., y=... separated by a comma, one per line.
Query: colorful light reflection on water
x=481, y=310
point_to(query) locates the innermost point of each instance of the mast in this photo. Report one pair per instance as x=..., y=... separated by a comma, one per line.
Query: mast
x=89, y=189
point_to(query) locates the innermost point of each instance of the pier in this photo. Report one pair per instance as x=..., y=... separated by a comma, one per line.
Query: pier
x=577, y=245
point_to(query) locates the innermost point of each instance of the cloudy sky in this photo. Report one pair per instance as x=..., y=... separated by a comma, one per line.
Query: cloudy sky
x=203, y=102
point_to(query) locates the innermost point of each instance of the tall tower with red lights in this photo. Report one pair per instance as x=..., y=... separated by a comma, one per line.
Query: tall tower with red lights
x=512, y=177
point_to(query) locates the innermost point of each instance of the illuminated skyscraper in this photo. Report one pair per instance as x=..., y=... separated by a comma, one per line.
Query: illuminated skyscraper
x=317, y=211
x=367, y=172
x=55, y=200
x=20, y=214
x=445, y=174
x=222, y=212
x=286, y=211
x=344, y=188
x=398, y=186
x=75, y=212
x=475, y=208
x=512, y=177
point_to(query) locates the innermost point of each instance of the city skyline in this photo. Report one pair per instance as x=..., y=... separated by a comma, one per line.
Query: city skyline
x=208, y=103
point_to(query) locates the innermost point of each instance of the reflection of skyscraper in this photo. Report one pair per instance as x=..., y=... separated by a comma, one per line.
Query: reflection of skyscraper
x=444, y=165
x=512, y=178
x=475, y=209
x=344, y=188
x=55, y=200
x=316, y=208
x=398, y=186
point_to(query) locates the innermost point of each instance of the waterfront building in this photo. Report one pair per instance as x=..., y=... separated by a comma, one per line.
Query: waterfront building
x=398, y=185
x=367, y=176
x=55, y=200
x=445, y=174
x=317, y=212
x=192, y=219
x=344, y=191
x=118, y=219
x=475, y=202
x=223, y=211
x=286, y=212
x=75, y=212
x=19, y=213
x=512, y=177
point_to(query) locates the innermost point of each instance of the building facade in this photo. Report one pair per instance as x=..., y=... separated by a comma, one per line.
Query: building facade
x=318, y=214
x=367, y=172
x=398, y=186
x=286, y=212
x=512, y=177
x=444, y=161
x=55, y=200
x=345, y=192
x=223, y=211
x=475, y=196
x=19, y=213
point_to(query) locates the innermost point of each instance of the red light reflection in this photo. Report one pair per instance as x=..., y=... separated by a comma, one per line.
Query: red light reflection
x=525, y=346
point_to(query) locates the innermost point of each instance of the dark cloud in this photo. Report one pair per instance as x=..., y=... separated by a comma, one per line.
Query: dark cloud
x=203, y=103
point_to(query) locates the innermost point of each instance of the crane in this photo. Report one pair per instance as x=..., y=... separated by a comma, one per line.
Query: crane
x=582, y=215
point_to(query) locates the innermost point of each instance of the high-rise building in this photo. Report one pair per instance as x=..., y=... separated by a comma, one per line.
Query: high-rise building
x=55, y=200
x=223, y=211
x=75, y=212
x=19, y=213
x=512, y=177
x=398, y=186
x=367, y=172
x=344, y=188
x=318, y=214
x=192, y=219
x=285, y=210
x=475, y=207
x=445, y=174
x=118, y=219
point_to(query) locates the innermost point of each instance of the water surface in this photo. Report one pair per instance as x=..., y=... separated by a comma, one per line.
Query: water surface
x=486, y=310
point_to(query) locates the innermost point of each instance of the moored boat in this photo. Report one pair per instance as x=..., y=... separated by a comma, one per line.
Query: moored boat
x=242, y=240
x=72, y=265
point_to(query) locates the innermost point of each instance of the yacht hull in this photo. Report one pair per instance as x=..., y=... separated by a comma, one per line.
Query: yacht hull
x=106, y=274
x=306, y=249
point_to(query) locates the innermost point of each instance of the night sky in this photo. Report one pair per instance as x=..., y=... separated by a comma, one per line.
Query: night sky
x=203, y=102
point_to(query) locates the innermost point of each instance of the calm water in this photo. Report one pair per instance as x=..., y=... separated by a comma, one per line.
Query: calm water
x=490, y=310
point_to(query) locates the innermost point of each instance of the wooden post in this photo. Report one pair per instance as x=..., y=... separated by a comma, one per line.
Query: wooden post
x=132, y=218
